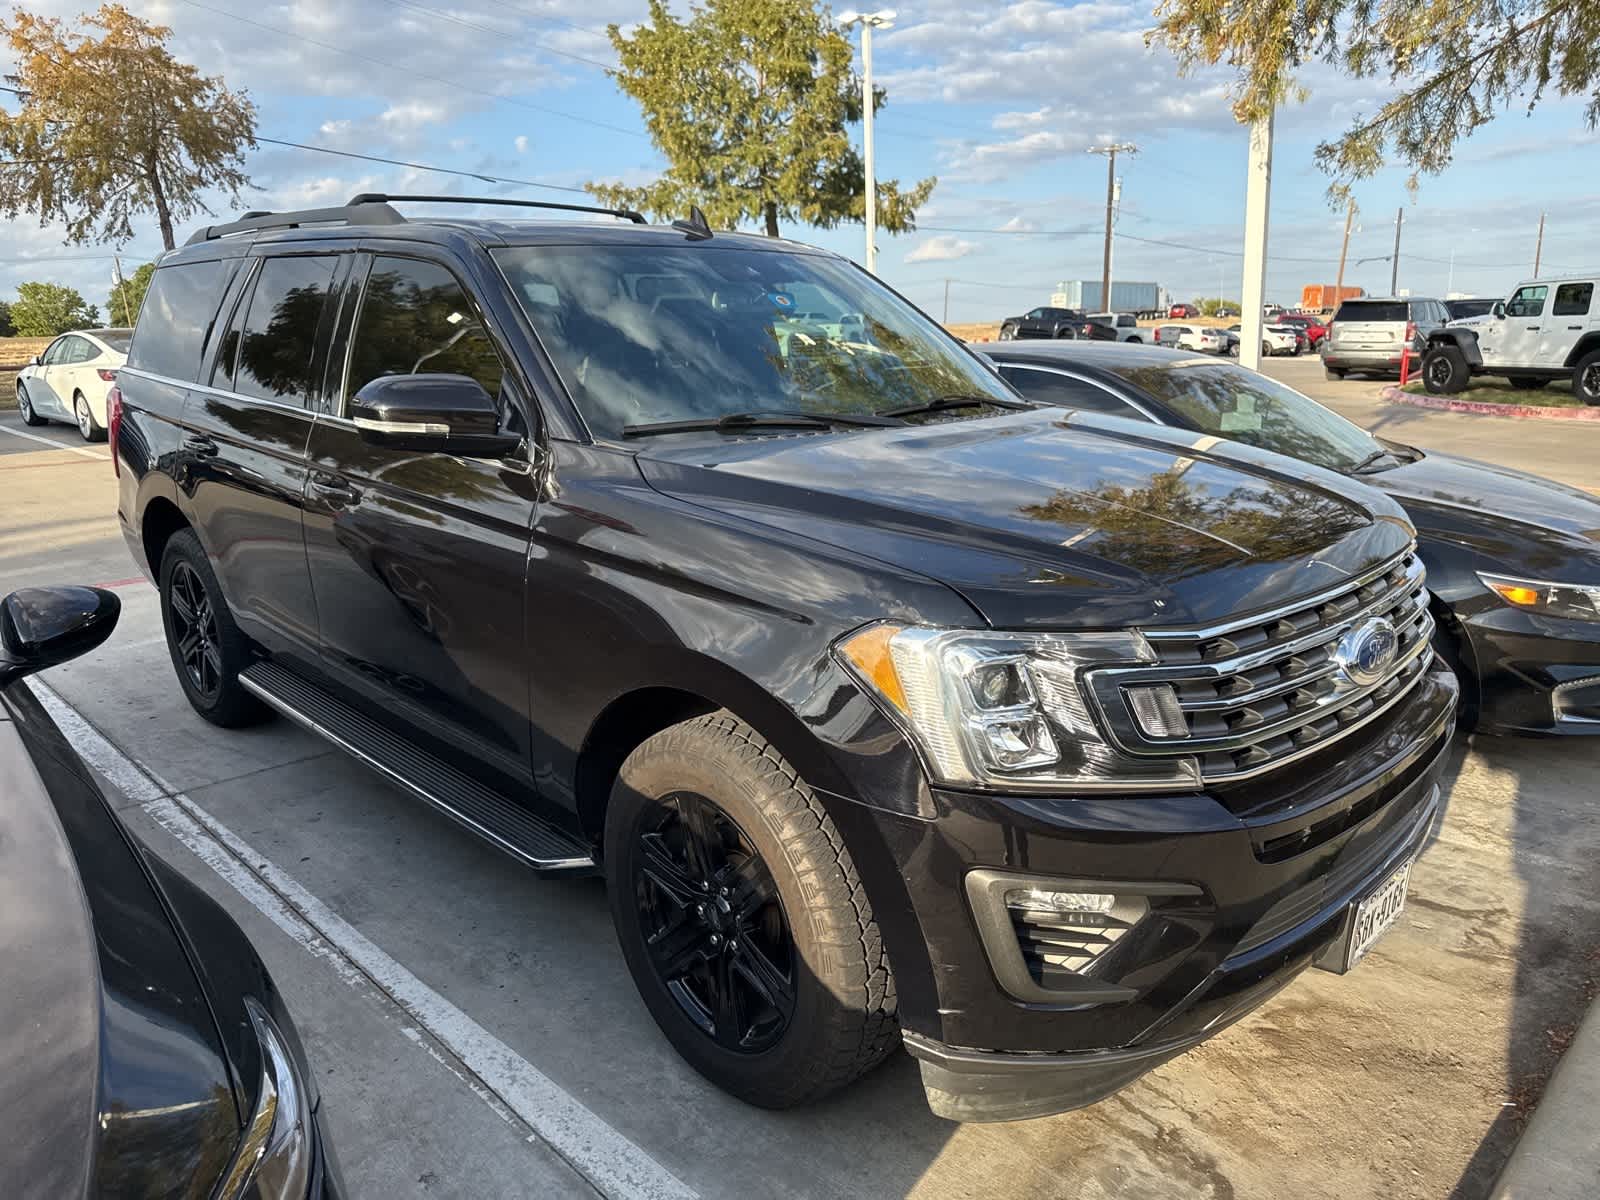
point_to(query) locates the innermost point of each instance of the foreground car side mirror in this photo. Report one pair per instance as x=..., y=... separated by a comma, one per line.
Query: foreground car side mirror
x=44, y=627
x=1499, y=309
x=445, y=414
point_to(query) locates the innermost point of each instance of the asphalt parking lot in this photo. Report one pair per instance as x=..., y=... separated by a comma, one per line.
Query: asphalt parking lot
x=476, y=1033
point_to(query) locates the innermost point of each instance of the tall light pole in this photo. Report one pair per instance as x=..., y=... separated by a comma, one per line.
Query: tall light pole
x=868, y=22
x=1111, y=153
x=1257, y=204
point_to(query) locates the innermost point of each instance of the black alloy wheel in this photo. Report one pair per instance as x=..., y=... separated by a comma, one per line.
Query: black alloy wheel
x=714, y=926
x=1586, y=378
x=194, y=627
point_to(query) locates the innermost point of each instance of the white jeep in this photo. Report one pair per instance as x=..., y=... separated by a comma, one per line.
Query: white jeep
x=1546, y=329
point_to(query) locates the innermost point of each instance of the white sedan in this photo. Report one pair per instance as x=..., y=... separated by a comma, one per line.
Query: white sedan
x=70, y=380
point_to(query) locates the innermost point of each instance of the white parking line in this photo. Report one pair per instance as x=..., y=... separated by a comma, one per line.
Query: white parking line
x=612, y=1164
x=55, y=445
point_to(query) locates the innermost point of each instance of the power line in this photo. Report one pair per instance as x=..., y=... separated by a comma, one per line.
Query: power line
x=416, y=166
x=499, y=33
x=389, y=66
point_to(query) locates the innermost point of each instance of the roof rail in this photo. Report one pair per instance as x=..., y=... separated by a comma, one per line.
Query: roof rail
x=351, y=214
x=627, y=214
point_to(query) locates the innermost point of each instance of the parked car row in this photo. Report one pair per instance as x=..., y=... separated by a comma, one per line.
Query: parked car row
x=1070, y=324
x=896, y=707
x=70, y=381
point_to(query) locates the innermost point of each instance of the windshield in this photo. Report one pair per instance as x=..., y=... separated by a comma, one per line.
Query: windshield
x=646, y=334
x=1236, y=403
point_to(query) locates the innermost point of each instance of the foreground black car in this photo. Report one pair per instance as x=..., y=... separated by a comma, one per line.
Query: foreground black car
x=829, y=650
x=1513, y=560
x=147, y=1053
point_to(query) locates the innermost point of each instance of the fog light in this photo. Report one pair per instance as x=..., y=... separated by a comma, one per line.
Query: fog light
x=1073, y=904
x=1156, y=709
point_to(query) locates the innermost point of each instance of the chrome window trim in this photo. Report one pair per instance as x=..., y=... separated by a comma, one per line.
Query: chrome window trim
x=207, y=389
x=1020, y=365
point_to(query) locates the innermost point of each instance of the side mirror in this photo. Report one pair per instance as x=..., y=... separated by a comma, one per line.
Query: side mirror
x=36, y=361
x=44, y=627
x=444, y=414
x=1499, y=310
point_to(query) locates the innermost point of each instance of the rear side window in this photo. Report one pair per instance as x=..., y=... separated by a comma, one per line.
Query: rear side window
x=1049, y=387
x=1372, y=310
x=415, y=320
x=271, y=350
x=176, y=318
x=1572, y=300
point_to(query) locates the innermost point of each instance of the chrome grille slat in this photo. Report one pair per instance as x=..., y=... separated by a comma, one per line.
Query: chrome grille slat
x=1260, y=691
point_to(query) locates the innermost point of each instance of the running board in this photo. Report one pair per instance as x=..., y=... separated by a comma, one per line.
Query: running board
x=499, y=820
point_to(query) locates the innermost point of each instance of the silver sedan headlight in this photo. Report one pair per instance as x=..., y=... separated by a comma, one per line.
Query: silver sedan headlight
x=1007, y=711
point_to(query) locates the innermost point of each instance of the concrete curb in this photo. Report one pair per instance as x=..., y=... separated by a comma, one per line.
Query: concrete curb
x=1446, y=404
x=1558, y=1155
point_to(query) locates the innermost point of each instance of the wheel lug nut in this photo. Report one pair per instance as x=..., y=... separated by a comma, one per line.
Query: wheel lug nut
x=716, y=939
x=733, y=947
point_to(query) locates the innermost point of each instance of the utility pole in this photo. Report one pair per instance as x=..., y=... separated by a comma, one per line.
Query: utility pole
x=947, y=302
x=1257, y=202
x=122, y=292
x=1394, y=263
x=1111, y=153
x=868, y=22
x=1344, y=250
x=1538, y=249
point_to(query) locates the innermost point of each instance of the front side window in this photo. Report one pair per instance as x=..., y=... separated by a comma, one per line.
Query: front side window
x=176, y=318
x=1527, y=301
x=1035, y=314
x=1232, y=402
x=646, y=334
x=415, y=320
x=56, y=352
x=271, y=348
x=1572, y=300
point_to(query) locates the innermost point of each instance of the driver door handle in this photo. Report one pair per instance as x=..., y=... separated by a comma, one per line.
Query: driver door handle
x=336, y=490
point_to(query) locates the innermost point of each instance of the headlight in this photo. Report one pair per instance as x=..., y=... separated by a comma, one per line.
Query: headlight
x=274, y=1159
x=1007, y=710
x=1558, y=599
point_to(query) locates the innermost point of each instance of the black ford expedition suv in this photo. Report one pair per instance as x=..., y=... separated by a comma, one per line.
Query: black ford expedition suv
x=893, y=708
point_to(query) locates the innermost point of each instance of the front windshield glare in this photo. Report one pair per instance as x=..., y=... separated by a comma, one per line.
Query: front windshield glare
x=1235, y=403
x=645, y=334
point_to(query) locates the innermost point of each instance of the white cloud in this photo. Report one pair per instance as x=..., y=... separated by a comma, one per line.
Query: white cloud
x=1019, y=225
x=941, y=249
x=521, y=143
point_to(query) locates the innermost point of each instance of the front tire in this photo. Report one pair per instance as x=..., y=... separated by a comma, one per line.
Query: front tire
x=741, y=916
x=87, y=425
x=1333, y=372
x=207, y=649
x=1444, y=370
x=1586, y=378
x=25, y=407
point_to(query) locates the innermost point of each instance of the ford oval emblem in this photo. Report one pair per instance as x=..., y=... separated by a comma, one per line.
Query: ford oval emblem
x=1365, y=654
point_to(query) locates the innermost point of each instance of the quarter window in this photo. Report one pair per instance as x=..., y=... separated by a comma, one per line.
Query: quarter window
x=415, y=320
x=1527, y=301
x=175, y=320
x=270, y=349
x=1572, y=300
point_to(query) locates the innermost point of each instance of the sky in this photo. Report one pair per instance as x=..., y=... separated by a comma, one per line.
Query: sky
x=1000, y=101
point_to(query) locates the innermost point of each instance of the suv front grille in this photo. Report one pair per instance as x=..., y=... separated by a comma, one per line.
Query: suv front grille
x=1258, y=692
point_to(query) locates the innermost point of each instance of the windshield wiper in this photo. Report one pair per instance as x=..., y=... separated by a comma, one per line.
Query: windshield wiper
x=1371, y=459
x=953, y=401
x=736, y=422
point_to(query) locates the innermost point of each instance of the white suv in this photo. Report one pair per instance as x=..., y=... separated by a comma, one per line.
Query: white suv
x=1546, y=329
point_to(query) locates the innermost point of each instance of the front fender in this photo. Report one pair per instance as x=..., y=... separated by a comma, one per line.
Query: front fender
x=1464, y=340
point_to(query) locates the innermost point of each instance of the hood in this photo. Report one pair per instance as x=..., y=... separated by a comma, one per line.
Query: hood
x=1518, y=521
x=1051, y=519
x=112, y=1079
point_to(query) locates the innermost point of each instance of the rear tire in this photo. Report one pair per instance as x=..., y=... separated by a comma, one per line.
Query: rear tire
x=87, y=425
x=1586, y=378
x=1444, y=370
x=207, y=649
x=1007, y=333
x=714, y=783
x=25, y=407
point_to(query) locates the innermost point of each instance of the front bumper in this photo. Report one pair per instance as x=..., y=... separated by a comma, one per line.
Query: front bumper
x=1246, y=887
x=1536, y=674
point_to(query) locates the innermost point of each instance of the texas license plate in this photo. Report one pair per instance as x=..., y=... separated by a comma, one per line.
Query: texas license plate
x=1376, y=914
